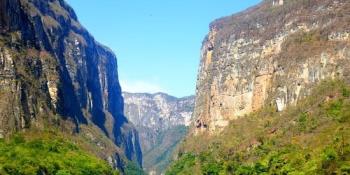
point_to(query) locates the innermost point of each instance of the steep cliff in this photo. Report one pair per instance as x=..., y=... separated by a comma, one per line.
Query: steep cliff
x=269, y=55
x=162, y=122
x=273, y=92
x=54, y=74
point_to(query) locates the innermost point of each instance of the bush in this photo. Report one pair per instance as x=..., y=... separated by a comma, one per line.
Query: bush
x=244, y=170
x=212, y=168
x=133, y=169
x=52, y=156
x=329, y=160
x=302, y=121
x=186, y=161
x=339, y=110
x=345, y=91
x=285, y=145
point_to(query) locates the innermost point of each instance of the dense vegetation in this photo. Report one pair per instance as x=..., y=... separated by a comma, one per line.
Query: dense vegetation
x=131, y=168
x=50, y=154
x=312, y=137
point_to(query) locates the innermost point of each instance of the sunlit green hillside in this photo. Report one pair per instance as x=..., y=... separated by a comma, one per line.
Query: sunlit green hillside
x=310, y=138
x=50, y=154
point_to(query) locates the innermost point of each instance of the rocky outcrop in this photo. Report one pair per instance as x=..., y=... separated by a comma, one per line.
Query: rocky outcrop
x=53, y=73
x=161, y=120
x=270, y=54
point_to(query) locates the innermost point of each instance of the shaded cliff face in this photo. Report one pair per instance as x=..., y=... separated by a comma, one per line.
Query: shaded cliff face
x=51, y=69
x=269, y=55
x=161, y=120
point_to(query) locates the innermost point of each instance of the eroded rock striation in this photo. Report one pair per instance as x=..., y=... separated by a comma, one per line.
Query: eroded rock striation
x=53, y=73
x=270, y=54
x=162, y=122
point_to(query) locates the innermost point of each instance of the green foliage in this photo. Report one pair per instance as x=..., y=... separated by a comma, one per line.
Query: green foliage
x=302, y=121
x=345, y=91
x=132, y=169
x=186, y=161
x=310, y=138
x=334, y=109
x=338, y=110
x=308, y=37
x=210, y=166
x=52, y=156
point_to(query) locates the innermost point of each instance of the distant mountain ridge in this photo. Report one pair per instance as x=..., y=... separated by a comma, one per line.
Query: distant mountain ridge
x=173, y=111
x=161, y=121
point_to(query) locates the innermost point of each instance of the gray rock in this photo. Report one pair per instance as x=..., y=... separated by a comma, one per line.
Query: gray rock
x=270, y=54
x=51, y=66
x=161, y=120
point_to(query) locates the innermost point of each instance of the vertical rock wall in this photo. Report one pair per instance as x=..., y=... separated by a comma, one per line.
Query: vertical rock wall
x=270, y=54
x=51, y=68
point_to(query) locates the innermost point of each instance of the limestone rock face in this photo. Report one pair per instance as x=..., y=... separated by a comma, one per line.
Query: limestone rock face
x=158, y=111
x=161, y=120
x=270, y=54
x=53, y=73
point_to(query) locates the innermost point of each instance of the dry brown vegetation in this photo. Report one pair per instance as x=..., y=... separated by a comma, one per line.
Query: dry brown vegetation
x=310, y=138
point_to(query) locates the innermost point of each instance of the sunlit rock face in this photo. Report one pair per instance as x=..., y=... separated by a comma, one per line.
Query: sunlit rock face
x=53, y=73
x=161, y=120
x=270, y=54
x=277, y=2
x=158, y=111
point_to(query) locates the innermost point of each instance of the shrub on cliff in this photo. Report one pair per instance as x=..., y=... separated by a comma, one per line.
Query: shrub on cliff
x=312, y=137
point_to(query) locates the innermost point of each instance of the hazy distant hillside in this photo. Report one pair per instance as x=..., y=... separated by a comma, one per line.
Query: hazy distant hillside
x=161, y=121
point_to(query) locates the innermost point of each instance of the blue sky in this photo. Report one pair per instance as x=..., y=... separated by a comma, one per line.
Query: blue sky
x=157, y=42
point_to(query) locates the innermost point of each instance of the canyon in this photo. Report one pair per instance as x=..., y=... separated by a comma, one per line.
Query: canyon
x=272, y=96
x=161, y=121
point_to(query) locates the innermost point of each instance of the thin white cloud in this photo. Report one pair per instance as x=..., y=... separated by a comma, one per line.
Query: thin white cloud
x=140, y=87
